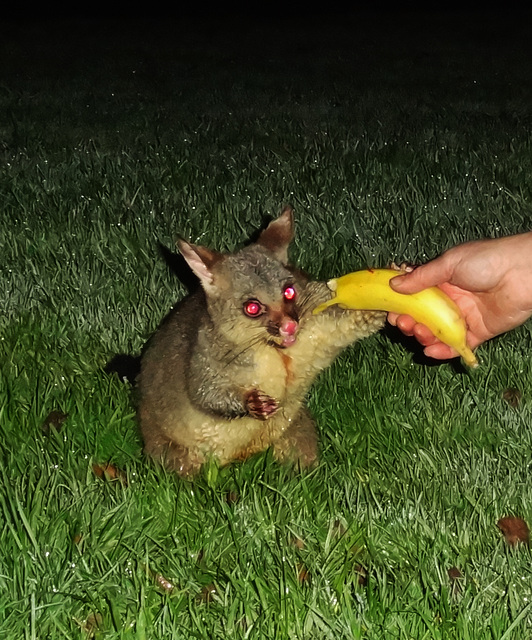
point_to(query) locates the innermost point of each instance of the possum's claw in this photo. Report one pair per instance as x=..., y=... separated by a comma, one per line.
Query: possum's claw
x=260, y=405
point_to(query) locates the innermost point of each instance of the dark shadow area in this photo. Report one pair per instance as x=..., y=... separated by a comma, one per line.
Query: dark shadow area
x=178, y=267
x=395, y=336
x=126, y=366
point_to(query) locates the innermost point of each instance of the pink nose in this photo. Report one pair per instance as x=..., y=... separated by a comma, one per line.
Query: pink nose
x=289, y=328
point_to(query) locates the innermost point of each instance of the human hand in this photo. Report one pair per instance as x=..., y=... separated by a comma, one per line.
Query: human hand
x=489, y=280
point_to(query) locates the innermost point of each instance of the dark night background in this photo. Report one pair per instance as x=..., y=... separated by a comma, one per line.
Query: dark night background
x=60, y=39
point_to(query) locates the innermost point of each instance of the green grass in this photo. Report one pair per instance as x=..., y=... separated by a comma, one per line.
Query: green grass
x=114, y=140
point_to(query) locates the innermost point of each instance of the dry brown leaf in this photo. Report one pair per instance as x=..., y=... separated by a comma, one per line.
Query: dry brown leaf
x=303, y=574
x=159, y=579
x=297, y=542
x=454, y=573
x=515, y=530
x=91, y=625
x=338, y=528
x=109, y=472
x=207, y=593
x=232, y=497
x=162, y=582
x=362, y=575
x=512, y=397
x=54, y=420
x=455, y=578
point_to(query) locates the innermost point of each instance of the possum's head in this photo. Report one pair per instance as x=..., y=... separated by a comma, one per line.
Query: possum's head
x=252, y=295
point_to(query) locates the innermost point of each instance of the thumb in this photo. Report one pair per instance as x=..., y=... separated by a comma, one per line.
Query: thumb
x=427, y=275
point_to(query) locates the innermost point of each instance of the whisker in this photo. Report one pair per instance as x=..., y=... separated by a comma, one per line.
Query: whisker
x=314, y=294
x=232, y=354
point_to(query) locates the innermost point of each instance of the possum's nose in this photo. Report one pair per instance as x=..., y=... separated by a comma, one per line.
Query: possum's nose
x=289, y=328
x=288, y=332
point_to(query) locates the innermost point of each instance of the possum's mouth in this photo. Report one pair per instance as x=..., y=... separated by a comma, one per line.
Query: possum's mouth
x=284, y=336
x=288, y=341
x=280, y=342
x=283, y=341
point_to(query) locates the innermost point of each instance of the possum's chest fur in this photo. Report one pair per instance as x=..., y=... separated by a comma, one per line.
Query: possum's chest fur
x=272, y=371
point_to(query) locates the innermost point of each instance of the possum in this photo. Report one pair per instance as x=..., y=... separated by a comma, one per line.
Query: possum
x=226, y=374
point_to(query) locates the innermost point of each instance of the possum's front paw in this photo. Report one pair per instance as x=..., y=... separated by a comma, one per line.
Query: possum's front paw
x=404, y=266
x=260, y=405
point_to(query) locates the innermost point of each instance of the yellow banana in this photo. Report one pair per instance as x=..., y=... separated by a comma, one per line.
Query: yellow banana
x=370, y=289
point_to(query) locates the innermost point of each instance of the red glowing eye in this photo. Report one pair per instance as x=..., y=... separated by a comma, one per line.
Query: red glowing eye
x=289, y=293
x=253, y=308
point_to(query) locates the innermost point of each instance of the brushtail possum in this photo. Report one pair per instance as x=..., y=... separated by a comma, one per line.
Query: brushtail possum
x=226, y=374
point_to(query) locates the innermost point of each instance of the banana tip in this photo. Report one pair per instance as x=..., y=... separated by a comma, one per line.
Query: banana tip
x=470, y=359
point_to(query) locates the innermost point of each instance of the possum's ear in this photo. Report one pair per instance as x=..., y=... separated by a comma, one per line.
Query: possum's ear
x=201, y=260
x=279, y=234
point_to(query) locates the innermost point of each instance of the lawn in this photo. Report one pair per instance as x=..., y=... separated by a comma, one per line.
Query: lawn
x=394, y=137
